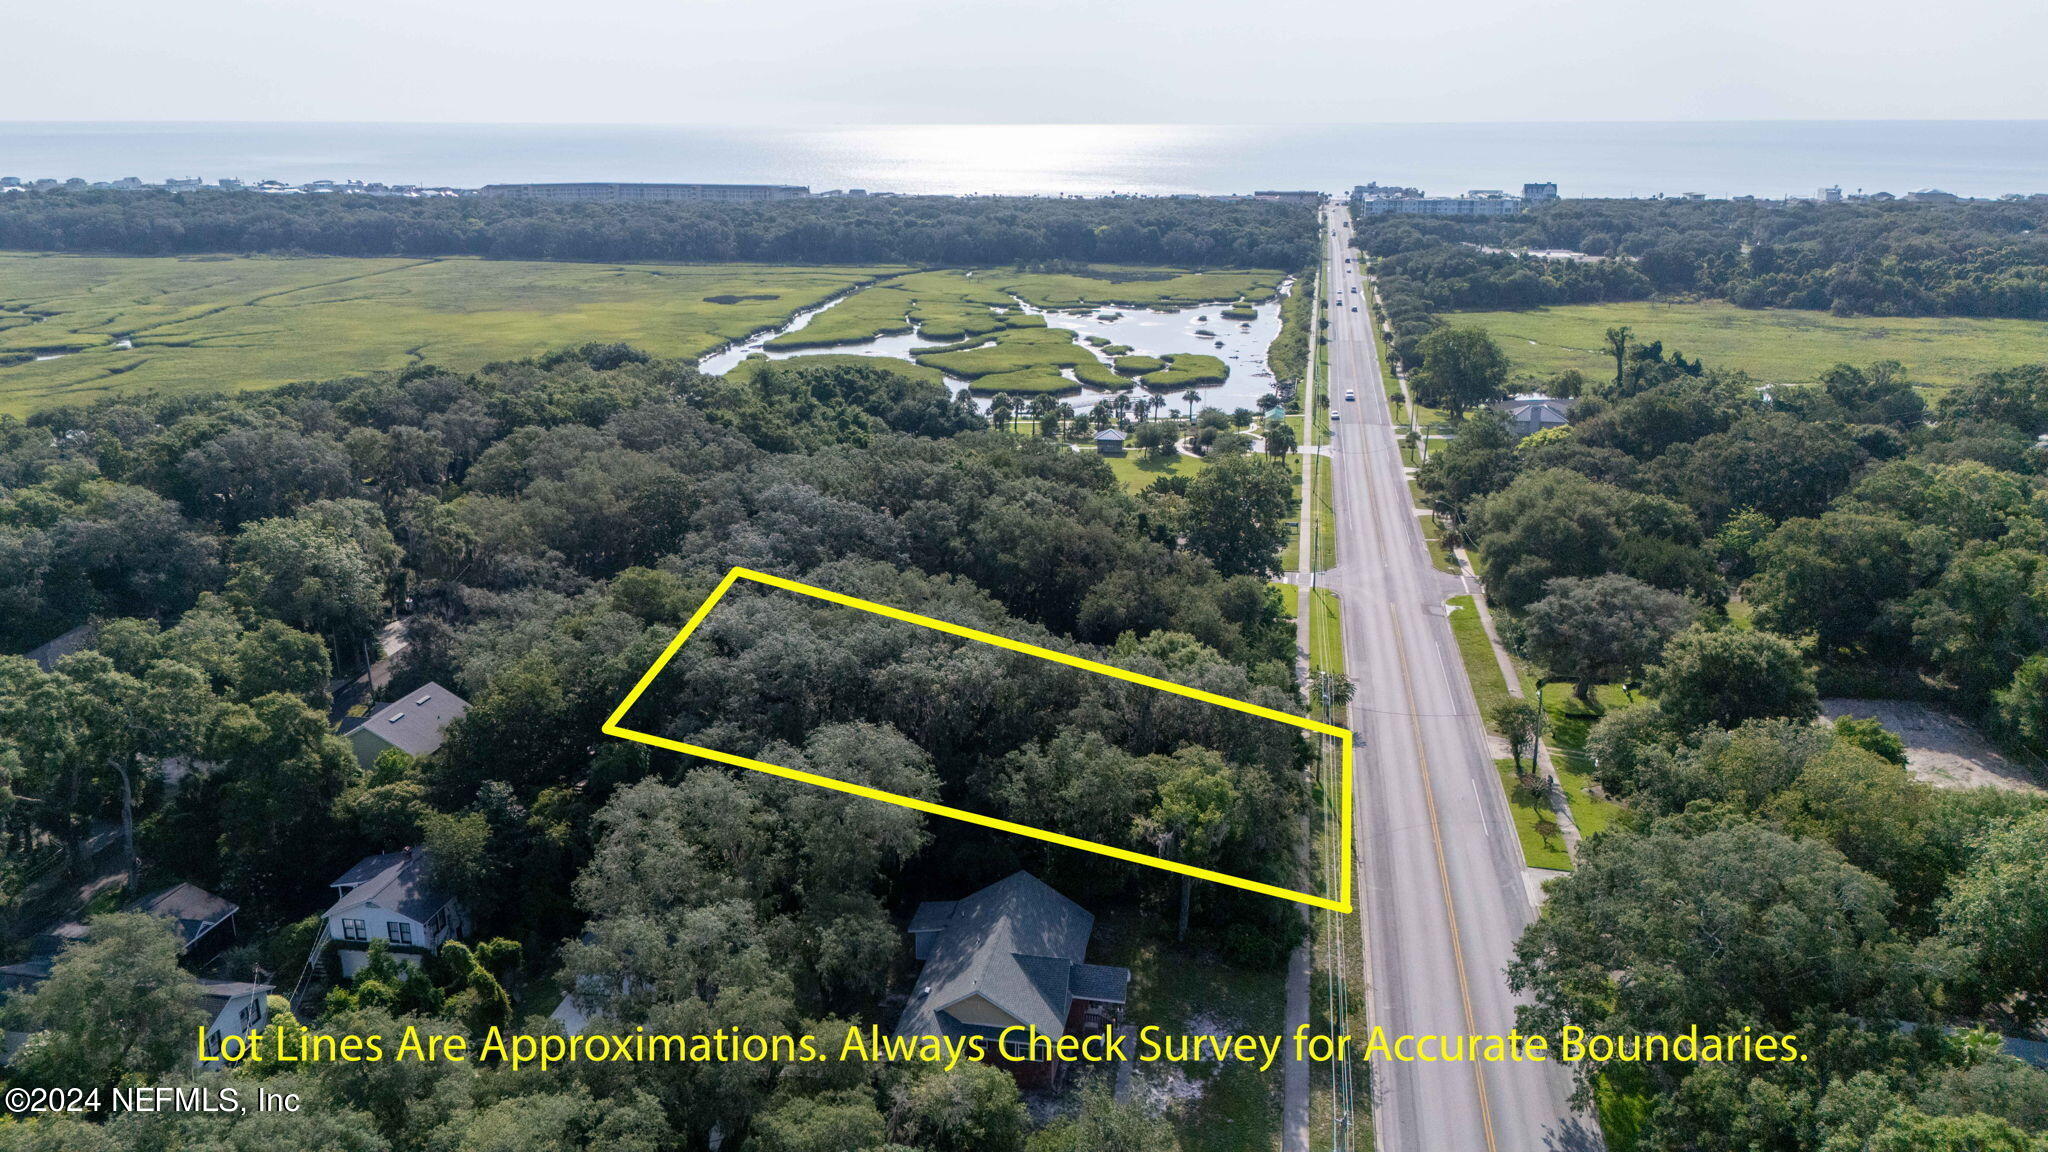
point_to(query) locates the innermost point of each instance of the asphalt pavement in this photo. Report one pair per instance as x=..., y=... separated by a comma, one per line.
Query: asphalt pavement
x=1442, y=899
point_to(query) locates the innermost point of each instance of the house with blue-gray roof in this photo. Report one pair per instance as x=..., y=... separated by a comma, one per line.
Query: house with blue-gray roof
x=391, y=897
x=1011, y=955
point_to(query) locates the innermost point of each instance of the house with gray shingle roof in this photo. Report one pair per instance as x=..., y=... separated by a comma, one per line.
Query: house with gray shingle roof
x=1011, y=955
x=205, y=923
x=1532, y=412
x=414, y=725
x=391, y=897
x=77, y=640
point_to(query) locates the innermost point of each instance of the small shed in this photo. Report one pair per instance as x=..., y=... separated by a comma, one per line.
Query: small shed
x=1110, y=441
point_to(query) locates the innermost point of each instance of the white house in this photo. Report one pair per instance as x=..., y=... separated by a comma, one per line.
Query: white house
x=232, y=1007
x=389, y=897
x=414, y=725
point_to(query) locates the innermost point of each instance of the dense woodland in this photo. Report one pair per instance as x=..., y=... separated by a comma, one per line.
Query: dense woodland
x=544, y=525
x=935, y=230
x=550, y=523
x=1853, y=259
x=1771, y=872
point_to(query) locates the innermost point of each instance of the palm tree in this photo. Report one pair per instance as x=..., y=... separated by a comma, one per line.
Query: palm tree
x=1042, y=410
x=1193, y=398
x=1121, y=405
x=1280, y=439
x=1000, y=408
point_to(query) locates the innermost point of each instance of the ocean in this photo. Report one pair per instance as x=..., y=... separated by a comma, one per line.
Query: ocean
x=1760, y=158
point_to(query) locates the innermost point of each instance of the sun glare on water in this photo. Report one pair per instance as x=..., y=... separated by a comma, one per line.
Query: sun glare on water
x=1091, y=159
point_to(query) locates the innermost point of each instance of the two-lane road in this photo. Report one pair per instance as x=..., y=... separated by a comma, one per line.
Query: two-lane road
x=1442, y=898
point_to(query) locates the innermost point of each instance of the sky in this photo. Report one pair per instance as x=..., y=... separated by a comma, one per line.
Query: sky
x=791, y=62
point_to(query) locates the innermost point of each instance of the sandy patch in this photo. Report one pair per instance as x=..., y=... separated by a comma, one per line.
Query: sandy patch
x=1942, y=748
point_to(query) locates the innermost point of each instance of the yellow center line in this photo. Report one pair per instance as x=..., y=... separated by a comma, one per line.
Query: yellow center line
x=1429, y=802
x=1444, y=876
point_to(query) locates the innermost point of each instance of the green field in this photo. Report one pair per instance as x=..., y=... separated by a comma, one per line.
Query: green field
x=225, y=323
x=228, y=323
x=1137, y=287
x=1136, y=470
x=1774, y=345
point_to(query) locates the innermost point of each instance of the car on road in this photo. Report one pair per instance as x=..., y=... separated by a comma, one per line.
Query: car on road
x=1354, y=307
x=1350, y=395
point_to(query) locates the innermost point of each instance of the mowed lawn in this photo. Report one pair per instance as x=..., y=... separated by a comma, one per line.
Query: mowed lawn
x=1777, y=346
x=1136, y=469
x=230, y=323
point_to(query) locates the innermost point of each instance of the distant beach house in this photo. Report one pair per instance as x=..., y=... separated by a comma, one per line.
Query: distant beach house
x=1532, y=413
x=1110, y=441
x=415, y=725
x=1305, y=198
x=1010, y=956
x=391, y=897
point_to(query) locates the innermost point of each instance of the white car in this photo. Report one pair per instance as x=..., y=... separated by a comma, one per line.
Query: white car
x=1350, y=395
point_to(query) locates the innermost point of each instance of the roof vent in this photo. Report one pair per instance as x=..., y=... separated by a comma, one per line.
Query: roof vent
x=394, y=718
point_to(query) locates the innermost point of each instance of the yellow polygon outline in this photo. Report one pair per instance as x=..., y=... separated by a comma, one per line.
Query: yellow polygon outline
x=612, y=727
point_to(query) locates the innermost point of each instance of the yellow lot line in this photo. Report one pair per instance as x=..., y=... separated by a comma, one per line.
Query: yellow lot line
x=613, y=726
